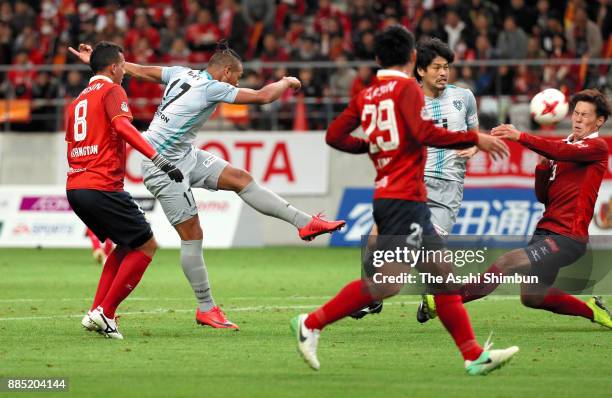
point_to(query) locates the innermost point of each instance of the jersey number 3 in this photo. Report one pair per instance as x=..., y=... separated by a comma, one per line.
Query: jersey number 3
x=382, y=118
x=80, y=121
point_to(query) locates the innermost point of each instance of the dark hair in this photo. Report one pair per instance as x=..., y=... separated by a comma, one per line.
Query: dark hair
x=427, y=50
x=224, y=56
x=595, y=97
x=394, y=46
x=104, y=54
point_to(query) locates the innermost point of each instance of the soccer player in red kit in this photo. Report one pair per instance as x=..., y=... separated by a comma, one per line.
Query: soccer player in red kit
x=567, y=182
x=97, y=128
x=393, y=116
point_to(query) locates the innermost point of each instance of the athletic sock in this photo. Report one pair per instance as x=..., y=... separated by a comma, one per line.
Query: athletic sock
x=474, y=291
x=455, y=319
x=111, y=266
x=130, y=272
x=351, y=298
x=559, y=302
x=267, y=202
x=194, y=268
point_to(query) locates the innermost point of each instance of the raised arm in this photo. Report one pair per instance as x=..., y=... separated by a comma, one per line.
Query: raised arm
x=140, y=72
x=269, y=93
x=339, y=136
x=584, y=151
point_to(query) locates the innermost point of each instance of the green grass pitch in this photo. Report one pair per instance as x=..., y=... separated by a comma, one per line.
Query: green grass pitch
x=43, y=294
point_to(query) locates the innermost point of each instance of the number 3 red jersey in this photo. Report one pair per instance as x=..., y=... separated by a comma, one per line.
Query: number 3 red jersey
x=569, y=183
x=393, y=116
x=96, y=153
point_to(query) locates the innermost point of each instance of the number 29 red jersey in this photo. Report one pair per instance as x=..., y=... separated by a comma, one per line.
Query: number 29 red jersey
x=96, y=153
x=392, y=114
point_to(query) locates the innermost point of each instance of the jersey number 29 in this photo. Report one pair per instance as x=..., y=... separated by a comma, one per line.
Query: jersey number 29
x=382, y=119
x=80, y=121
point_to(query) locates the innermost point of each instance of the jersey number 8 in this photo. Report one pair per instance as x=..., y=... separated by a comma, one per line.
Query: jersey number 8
x=80, y=123
x=382, y=119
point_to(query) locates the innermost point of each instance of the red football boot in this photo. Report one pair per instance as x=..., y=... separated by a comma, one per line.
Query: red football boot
x=215, y=318
x=318, y=226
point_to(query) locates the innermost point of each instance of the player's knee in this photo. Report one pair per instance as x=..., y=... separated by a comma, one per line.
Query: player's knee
x=531, y=301
x=236, y=179
x=149, y=247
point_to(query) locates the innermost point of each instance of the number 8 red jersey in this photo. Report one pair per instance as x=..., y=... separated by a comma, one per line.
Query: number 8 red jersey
x=96, y=153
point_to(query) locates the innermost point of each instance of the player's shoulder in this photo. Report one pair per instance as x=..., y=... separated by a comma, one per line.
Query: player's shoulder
x=457, y=91
x=598, y=141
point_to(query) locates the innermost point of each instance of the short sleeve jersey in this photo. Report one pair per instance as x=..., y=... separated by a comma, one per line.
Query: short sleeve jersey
x=96, y=153
x=190, y=98
x=455, y=109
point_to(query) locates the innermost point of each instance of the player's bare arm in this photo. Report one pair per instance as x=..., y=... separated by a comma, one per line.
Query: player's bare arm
x=468, y=153
x=268, y=93
x=140, y=72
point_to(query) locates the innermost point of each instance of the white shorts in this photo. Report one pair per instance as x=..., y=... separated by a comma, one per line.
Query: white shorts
x=444, y=201
x=200, y=169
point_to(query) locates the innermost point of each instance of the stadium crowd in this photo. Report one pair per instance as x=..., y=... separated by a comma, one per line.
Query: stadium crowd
x=186, y=32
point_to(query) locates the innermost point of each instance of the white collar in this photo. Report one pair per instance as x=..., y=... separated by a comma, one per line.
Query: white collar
x=592, y=135
x=391, y=73
x=97, y=77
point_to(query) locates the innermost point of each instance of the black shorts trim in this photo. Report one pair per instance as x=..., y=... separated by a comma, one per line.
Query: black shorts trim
x=548, y=252
x=113, y=215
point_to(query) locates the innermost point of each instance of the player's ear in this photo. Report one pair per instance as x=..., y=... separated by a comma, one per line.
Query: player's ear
x=599, y=122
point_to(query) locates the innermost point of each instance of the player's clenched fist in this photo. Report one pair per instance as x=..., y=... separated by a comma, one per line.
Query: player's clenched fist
x=294, y=82
x=493, y=145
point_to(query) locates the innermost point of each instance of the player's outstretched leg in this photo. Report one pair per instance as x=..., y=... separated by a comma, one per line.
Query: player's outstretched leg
x=307, y=327
x=194, y=268
x=267, y=202
x=559, y=302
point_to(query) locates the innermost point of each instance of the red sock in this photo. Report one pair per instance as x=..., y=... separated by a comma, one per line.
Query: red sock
x=108, y=247
x=474, y=291
x=111, y=266
x=351, y=298
x=95, y=242
x=130, y=272
x=455, y=319
x=559, y=302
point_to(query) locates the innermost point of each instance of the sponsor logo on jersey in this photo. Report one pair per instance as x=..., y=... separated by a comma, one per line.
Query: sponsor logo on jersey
x=124, y=107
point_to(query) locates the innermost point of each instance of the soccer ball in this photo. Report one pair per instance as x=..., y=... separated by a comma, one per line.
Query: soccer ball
x=549, y=106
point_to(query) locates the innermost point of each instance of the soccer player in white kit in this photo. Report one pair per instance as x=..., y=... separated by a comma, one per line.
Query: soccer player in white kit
x=190, y=97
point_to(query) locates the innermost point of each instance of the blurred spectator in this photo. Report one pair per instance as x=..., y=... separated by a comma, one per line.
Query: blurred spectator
x=178, y=54
x=74, y=84
x=524, y=16
x=118, y=15
x=341, y=78
x=484, y=75
x=295, y=30
x=23, y=16
x=428, y=27
x=364, y=49
x=312, y=91
x=483, y=26
x=233, y=26
x=306, y=50
x=21, y=77
x=87, y=33
x=365, y=77
x=559, y=75
x=45, y=91
x=527, y=81
x=489, y=10
x=584, y=38
x=202, y=37
x=553, y=28
x=455, y=29
x=170, y=31
x=413, y=12
x=6, y=43
x=110, y=28
x=259, y=11
x=141, y=52
x=360, y=10
x=512, y=41
x=141, y=29
x=271, y=52
x=465, y=79
x=6, y=12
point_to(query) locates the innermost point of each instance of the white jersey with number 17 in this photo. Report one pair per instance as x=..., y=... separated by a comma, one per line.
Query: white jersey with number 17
x=191, y=96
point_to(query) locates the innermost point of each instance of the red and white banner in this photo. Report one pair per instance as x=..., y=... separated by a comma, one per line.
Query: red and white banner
x=517, y=170
x=286, y=163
